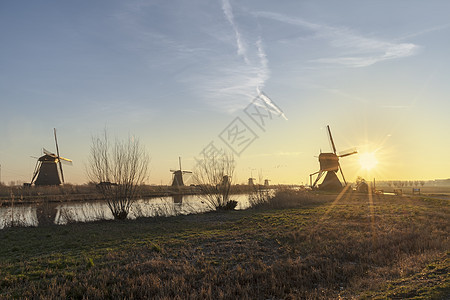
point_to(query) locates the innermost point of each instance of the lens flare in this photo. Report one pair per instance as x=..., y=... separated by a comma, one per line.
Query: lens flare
x=368, y=160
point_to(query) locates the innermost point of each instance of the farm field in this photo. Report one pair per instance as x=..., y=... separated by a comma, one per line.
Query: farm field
x=299, y=245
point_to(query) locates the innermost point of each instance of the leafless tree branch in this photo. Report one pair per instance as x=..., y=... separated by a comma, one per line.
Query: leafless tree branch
x=213, y=175
x=119, y=170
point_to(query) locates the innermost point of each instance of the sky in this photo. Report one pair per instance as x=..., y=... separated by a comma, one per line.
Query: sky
x=261, y=79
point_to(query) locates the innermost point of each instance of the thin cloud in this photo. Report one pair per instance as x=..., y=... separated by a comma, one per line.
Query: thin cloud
x=241, y=46
x=355, y=49
x=396, y=106
x=232, y=86
x=264, y=72
x=426, y=31
x=269, y=103
x=276, y=154
x=226, y=82
x=347, y=95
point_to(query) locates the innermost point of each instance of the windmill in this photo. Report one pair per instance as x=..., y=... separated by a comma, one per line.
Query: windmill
x=251, y=180
x=46, y=170
x=329, y=164
x=226, y=181
x=177, y=178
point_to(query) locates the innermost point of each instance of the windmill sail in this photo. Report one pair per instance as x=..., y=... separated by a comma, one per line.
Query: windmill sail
x=348, y=152
x=177, y=179
x=57, y=153
x=46, y=170
x=329, y=165
x=331, y=139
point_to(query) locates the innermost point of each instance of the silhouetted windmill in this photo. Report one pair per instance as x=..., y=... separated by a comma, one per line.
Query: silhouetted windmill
x=329, y=164
x=46, y=170
x=177, y=178
x=226, y=181
x=251, y=180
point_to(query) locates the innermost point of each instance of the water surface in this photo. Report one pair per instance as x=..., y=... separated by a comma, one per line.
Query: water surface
x=61, y=213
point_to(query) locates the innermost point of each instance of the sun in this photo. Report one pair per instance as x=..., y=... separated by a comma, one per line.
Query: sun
x=368, y=160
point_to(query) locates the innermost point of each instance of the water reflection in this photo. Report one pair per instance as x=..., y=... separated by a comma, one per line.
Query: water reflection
x=18, y=216
x=46, y=213
x=82, y=212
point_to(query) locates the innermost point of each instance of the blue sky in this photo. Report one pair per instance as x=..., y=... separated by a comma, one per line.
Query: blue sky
x=176, y=74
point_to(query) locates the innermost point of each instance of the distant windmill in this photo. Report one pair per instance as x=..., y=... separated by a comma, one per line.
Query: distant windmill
x=46, y=170
x=329, y=164
x=177, y=178
x=226, y=181
x=251, y=180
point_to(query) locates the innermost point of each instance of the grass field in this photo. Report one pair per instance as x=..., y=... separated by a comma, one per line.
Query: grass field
x=301, y=245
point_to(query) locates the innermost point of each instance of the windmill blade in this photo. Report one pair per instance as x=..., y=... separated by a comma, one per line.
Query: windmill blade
x=348, y=152
x=342, y=173
x=57, y=152
x=318, y=178
x=331, y=139
x=179, y=159
x=60, y=168
x=188, y=178
x=344, y=155
x=65, y=159
x=172, y=170
x=48, y=152
x=56, y=142
x=36, y=170
x=66, y=162
x=187, y=172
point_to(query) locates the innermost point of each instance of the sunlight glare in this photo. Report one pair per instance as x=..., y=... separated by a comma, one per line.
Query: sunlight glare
x=368, y=160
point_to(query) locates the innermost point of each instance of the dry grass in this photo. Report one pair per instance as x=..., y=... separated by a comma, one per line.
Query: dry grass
x=322, y=246
x=287, y=198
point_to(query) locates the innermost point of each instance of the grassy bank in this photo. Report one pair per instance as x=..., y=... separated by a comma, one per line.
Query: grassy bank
x=302, y=246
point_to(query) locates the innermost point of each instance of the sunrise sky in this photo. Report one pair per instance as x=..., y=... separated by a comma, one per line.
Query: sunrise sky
x=179, y=74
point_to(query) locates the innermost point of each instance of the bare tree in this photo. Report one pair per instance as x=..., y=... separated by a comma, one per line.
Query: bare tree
x=118, y=170
x=259, y=194
x=213, y=175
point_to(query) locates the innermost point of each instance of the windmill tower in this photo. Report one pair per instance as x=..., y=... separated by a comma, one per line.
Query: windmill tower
x=329, y=165
x=46, y=170
x=226, y=181
x=251, y=180
x=177, y=178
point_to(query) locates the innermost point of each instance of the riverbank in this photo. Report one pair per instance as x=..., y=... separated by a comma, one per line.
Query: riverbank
x=299, y=246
